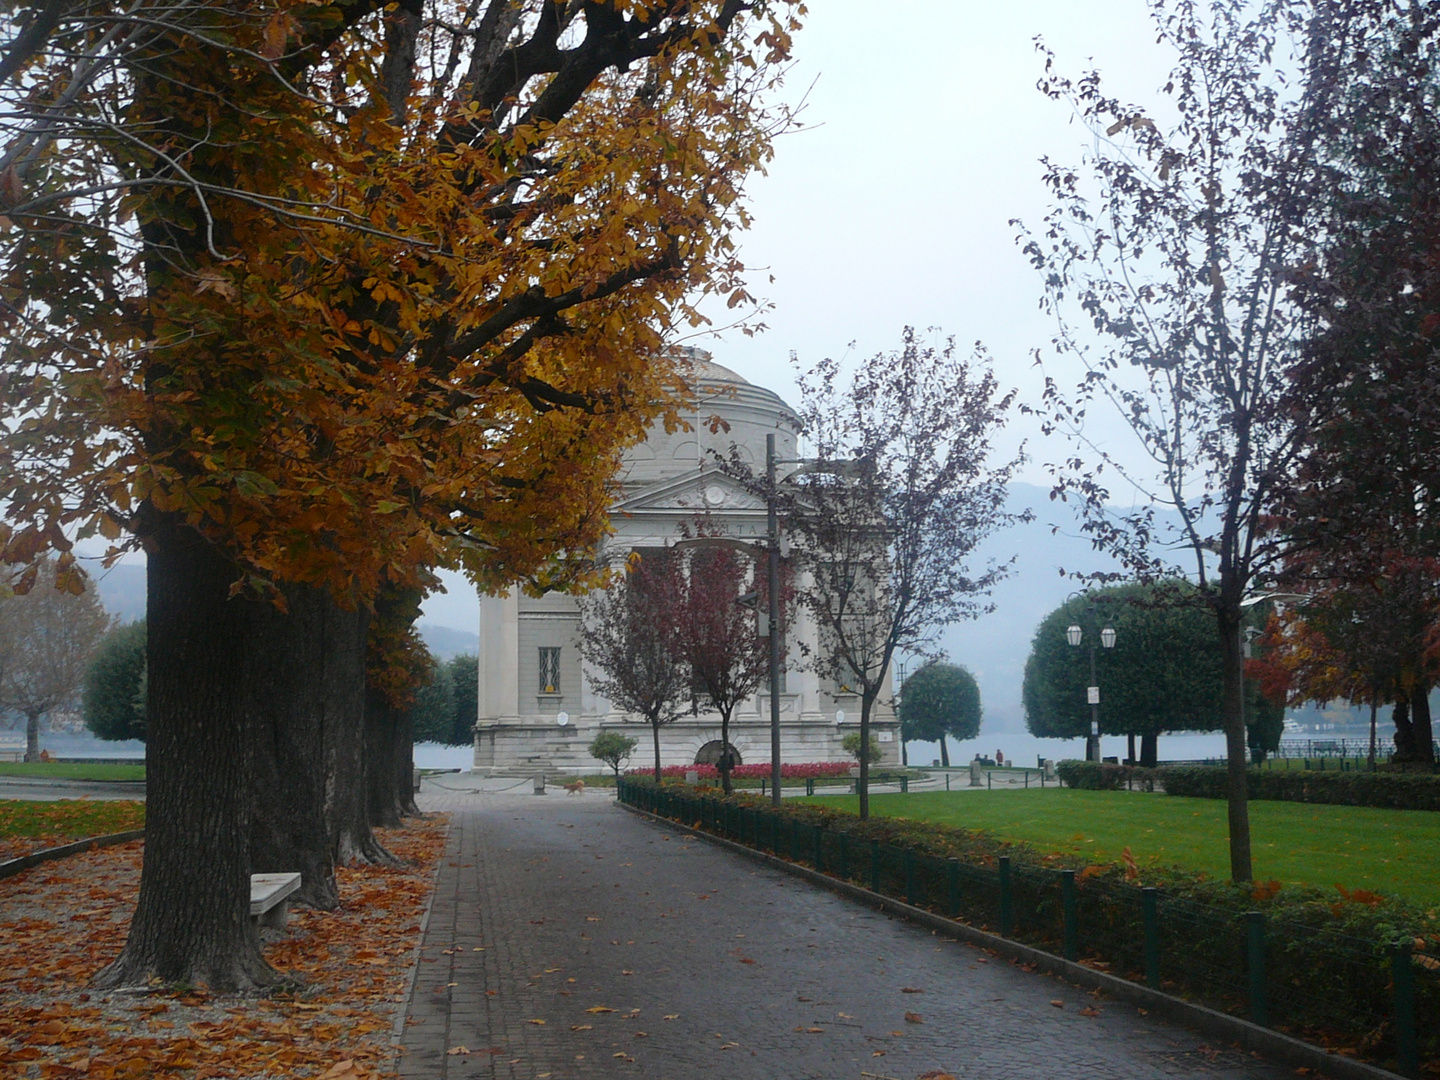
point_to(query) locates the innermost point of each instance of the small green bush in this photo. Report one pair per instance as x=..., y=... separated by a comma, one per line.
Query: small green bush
x=1384, y=790
x=851, y=745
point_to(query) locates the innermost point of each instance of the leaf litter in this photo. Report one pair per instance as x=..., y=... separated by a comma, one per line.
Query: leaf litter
x=61, y=922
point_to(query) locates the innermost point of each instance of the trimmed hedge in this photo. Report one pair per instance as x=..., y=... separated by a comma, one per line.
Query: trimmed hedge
x=1385, y=790
x=1105, y=776
x=1328, y=965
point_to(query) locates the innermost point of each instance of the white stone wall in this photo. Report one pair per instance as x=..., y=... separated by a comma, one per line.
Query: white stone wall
x=667, y=481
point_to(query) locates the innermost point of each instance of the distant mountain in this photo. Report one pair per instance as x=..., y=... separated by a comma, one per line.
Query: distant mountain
x=996, y=646
x=446, y=641
x=122, y=590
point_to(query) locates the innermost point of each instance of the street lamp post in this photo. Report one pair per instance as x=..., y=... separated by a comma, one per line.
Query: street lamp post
x=772, y=533
x=1074, y=634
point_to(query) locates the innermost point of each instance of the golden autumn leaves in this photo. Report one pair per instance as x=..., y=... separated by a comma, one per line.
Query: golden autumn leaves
x=346, y=333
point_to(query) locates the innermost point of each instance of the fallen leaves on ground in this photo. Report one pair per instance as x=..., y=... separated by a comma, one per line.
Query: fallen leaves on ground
x=914, y=1018
x=27, y=825
x=63, y=921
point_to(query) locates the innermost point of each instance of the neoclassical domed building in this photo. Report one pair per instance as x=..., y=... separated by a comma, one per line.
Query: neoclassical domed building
x=536, y=709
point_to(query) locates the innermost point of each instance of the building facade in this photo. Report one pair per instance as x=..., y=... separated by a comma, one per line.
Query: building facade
x=537, y=711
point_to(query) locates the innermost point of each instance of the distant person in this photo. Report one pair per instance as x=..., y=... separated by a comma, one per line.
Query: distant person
x=1000, y=759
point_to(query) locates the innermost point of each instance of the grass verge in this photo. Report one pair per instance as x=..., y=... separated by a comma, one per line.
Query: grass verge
x=1384, y=851
x=64, y=770
x=27, y=825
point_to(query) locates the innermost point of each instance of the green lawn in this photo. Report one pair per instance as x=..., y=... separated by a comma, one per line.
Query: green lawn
x=1387, y=851
x=72, y=770
x=69, y=818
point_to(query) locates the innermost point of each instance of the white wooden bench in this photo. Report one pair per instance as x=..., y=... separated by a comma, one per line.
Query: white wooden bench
x=270, y=898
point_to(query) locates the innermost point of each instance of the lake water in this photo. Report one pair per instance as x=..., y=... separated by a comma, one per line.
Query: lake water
x=1022, y=748
x=1025, y=749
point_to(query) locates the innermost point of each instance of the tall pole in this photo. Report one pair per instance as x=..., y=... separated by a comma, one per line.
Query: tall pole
x=773, y=533
x=1092, y=744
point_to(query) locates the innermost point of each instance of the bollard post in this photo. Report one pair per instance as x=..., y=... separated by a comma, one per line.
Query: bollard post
x=904, y=785
x=1071, y=916
x=989, y=778
x=763, y=782
x=1407, y=1052
x=1150, y=916
x=1255, y=962
x=1006, y=900
x=952, y=887
x=875, y=866
x=910, y=876
x=947, y=781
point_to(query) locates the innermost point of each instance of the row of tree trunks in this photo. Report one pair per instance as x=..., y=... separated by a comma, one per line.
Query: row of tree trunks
x=192, y=920
x=259, y=759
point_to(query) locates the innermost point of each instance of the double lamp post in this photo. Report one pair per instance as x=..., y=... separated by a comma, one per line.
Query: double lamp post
x=1075, y=635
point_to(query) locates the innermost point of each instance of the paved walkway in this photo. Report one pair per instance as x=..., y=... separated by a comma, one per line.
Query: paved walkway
x=570, y=939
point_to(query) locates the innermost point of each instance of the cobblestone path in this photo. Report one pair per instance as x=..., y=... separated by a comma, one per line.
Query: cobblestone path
x=570, y=939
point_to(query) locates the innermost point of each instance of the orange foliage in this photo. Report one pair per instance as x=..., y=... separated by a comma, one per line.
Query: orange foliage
x=381, y=333
x=62, y=922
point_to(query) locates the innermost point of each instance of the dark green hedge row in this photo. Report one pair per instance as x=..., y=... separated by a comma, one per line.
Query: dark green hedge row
x=1106, y=776
x=1328, y=964
x=1387, y=790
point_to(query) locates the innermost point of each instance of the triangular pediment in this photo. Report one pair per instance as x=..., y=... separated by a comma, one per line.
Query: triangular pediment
x=696, y=492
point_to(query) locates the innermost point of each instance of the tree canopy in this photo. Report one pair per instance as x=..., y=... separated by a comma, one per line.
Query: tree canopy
x=113, y=702
x=47, y=637
x=940, y=700
x=1162, y=675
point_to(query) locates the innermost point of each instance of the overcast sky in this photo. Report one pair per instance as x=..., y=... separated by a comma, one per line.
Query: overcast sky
x=923, y=137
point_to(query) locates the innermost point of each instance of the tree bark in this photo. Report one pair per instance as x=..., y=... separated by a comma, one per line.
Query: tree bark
x=1149, y=749
x=192, y=922
x=862, y=783
x=1404, y=733
x=1232, y=664
x=291, y=651
x=1423, y=733
x=944, y=751
x=1130, y=748
x=725, y=760
x=382, y=800
x=404, y=757
x=32, y=736
x=655, y=732
x=346, y=806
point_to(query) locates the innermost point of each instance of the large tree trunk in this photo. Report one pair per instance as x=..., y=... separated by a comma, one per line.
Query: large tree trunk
x=944, y=751
x=1404, y=733
x=1232, y=663
x=347, y=811
x=382, y=798
x=655, y=732
x=404, y=759
x=32, y=736
x=192, y=922
x=291, y=651
x=1149, y=749
x=1423, y=733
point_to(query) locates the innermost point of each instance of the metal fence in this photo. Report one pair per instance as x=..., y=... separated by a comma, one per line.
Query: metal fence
x=1374, y=996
